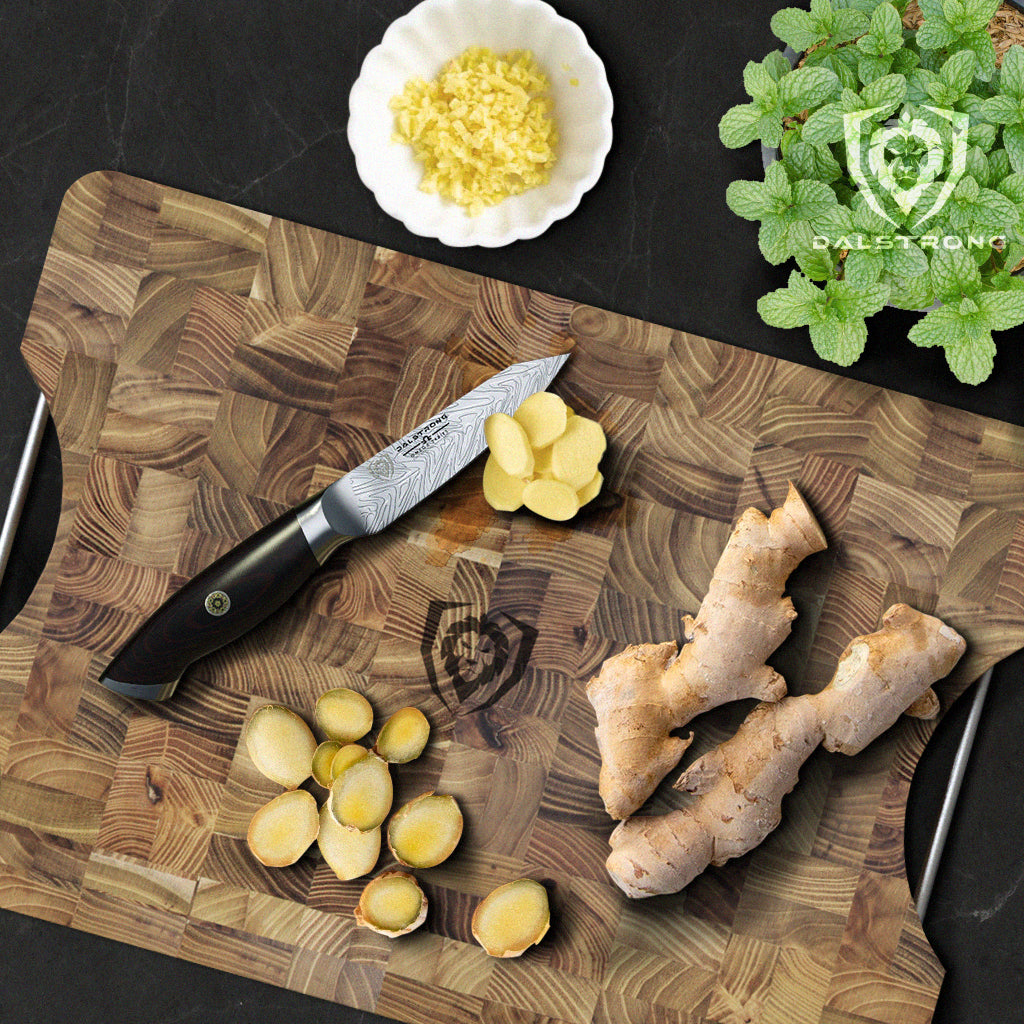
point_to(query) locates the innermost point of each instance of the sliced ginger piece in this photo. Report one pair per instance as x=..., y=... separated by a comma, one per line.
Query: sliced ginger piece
x=588, y=492
x=543, y=417
x=551, y=499
x=509, y=444
x=282, y=830
x=425, y=831
x=576, y=454
x=403, y=736
x=280, y=744
x=348, y=852
x=502, y=492
x=361, y=795
x=512, y=918
x=345, y=757
x=322, y=758
x=542, y=463
x=392, y=904
x=344, y=715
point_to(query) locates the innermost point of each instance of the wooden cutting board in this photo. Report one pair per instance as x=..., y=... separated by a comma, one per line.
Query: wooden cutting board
x=208, y=367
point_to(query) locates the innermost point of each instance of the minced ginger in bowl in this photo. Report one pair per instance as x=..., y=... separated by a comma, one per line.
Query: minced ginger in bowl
x=480, y=122
x=483, y=129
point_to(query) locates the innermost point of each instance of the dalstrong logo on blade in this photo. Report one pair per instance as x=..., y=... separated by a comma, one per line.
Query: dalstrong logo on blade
x=902, y=161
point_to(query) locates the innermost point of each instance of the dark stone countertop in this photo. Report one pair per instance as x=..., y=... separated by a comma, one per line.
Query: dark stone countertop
x=248, y=103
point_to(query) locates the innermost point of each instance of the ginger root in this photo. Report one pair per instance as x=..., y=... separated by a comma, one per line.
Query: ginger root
x=739, y=785
x=642, y=694
x=282, y=830
x=280, y=745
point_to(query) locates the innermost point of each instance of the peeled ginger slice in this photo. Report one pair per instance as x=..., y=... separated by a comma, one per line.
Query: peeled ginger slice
x=551, y=499
x=403, y=736
x=502, y=492
x=512, y=918
x=282, y=830
x=361, y=795
x=509, y=444
x=348, y=852
x=280, y=744
x=392, y=904
x=575, y=455
x=543, y=416
x=425, y=831
x=323, y=756
x=588, y=492
x=344, y=715
x=345, y=758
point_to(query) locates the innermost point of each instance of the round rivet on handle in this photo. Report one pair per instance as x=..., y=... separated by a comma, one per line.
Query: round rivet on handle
x=217, y=602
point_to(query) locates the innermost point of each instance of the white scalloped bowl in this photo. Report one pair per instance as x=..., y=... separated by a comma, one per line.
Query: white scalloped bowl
x=416, y=46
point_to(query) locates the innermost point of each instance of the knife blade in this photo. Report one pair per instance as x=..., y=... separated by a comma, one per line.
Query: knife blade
x=253, y=579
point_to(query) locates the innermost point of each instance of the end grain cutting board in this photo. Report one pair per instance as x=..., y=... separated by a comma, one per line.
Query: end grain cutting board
x=208, y=367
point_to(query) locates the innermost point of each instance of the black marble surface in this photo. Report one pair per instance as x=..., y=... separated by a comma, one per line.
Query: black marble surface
x=247, y=102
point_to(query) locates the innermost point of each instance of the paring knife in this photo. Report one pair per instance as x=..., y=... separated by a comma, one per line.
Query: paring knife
x=254, y=579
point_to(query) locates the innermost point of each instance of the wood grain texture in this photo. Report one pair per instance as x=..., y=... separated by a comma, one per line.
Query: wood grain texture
x=208, y=367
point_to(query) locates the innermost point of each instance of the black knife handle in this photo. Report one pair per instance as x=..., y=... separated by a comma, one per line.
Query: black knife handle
x=224, y=601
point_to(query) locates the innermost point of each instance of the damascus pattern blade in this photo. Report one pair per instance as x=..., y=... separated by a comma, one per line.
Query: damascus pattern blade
x=389, y=484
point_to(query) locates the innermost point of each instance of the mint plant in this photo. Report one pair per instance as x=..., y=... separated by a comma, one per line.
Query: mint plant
x=899, y=176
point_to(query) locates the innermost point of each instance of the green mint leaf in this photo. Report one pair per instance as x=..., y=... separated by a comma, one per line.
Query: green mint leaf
x=759, y=84
x=773, y=240
x=932, y=9
x=770, y=130
x=887, y=92
x=905, y=61
x=825, y=125
x=958, y=71
x=977, y=13
x=848, y=25
x=777, y=64
x=807, y=88
x=954, y=274
x=980, y=42
x=977, y=165
x=905, y=260
x=982, y=135
x=887, y=29
x=1003, y=309
x=941, y=94
x=811, y=199
x=966, y=337
x=842, y=63
x=777, y=185
x=835, y=223
x=816, y=264
x=998, y=164
x=994, y=210
x=849, y=302
x=863, y=267
x=935, y=35
x=913, y=292
x=791, y=306
x=1011, y=74
x=1012, y=186
x=796, y=28
x=1004, y=281
x=839, y=341
x=1001, y=110
x=870, y=69
x=1013, y=141
x=739, y=125
x=967, y=190
x=749, y=200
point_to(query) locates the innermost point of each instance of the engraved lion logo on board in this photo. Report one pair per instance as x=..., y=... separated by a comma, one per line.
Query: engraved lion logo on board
x=472, y=661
